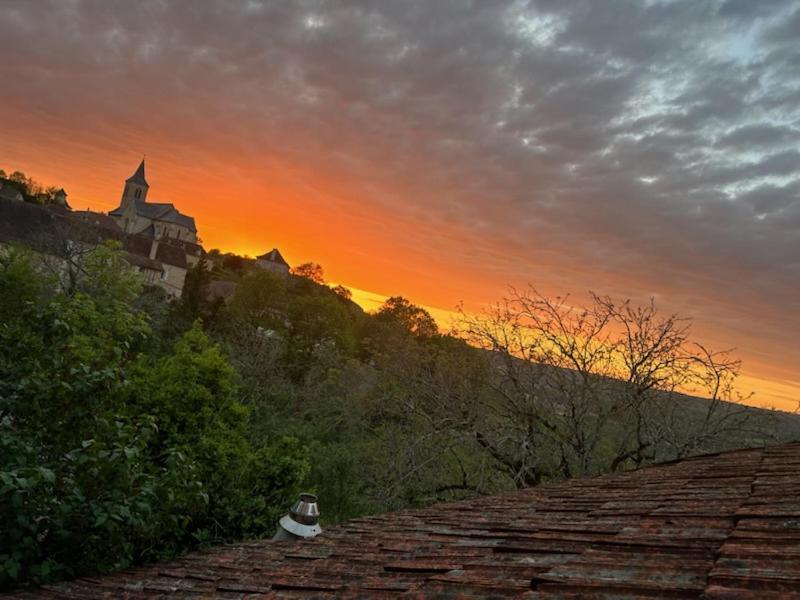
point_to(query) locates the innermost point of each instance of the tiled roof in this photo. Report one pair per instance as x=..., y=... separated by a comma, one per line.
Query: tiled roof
x=717, y=527
x=273, y=255
x=142, y=261
x=171, y=255
x=166, y=252
x=161, y=211
x=96, y=218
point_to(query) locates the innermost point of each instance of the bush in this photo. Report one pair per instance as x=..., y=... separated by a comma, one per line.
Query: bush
x=111, y=451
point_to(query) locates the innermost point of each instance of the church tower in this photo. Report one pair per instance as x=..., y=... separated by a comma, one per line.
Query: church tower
x=135, y=193
x=135, y=187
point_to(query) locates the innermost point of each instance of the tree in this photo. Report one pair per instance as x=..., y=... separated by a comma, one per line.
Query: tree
x=194, y=303
x=319, y=318
x=111, y=451
x=234, y=262
x=343, y=292
x=311, y=271
x=595, y=386
x=260, y=300
x=75, y=494
x=192, y=397
x=412, y=318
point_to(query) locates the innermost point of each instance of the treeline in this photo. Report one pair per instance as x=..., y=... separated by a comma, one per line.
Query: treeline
x=132, y=428
x=32, y=191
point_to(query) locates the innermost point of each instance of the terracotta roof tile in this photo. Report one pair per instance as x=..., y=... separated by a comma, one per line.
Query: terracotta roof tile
x=720, y=526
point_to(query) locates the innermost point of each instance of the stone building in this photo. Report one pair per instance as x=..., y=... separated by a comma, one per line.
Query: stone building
x=160, y=262
x=273, y=261
x=153, y=219
x=167, y=231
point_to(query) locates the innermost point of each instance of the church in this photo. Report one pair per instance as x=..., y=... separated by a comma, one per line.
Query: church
x=157, y=220
x=161, y=241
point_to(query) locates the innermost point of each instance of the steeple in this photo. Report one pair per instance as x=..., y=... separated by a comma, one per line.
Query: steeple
x=135, y=191
x=138, y=176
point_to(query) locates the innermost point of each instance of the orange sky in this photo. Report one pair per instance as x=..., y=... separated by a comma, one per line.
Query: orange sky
x=444, y=154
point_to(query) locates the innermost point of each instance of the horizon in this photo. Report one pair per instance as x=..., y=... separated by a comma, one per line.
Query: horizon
x=648, y=153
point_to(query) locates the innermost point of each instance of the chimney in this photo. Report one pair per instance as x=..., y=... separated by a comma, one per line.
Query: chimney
x=302, y=522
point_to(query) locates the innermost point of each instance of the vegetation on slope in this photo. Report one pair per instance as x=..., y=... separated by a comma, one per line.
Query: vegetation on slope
x=133, y=428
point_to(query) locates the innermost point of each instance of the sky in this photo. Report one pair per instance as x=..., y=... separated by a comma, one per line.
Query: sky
x=444, y=150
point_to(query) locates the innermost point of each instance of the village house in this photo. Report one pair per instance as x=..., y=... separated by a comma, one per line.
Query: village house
x=273, y=261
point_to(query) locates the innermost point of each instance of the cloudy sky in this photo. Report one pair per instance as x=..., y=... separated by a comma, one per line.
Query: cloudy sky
x=445, y=149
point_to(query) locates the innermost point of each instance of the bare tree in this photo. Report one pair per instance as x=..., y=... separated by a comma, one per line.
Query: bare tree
x=64, y=247
x=586, y=389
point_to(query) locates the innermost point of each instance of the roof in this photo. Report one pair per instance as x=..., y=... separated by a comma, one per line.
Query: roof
x=171, y=255
x=98, y=219
x=161, y=211
x=192, y=248
x=138, y=176
x=29, y=224
x=166, y=252
x=273, y=255
x=47, y=229
x=717, y=526
x=142, y=261
x=165, y=211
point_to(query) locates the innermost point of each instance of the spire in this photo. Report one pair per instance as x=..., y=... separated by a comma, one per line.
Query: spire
x=138, y=176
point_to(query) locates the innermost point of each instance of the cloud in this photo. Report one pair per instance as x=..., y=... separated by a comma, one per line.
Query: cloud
x=759, y=135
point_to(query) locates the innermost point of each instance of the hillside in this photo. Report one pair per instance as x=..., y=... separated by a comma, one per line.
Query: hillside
x=136, y=427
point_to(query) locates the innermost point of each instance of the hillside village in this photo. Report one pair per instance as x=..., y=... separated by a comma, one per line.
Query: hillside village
x=601, y=200
x=160, y=241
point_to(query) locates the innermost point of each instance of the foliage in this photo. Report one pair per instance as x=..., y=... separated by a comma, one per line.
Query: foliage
x=343, y=292
x=119, y=445
x=311, y=271
x=111, y=451
x=98, y=506
x=597, y=386
x=31, y=189
x=193, y=303
x=261, y=300
x=412, y=318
